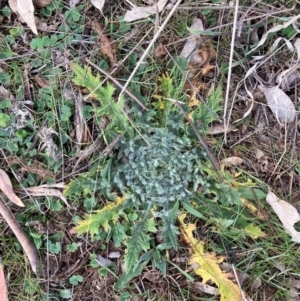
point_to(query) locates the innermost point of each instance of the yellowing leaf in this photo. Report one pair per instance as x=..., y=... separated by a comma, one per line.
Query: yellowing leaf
x=7, y=189
x=251, y=207
x=254, y=231
x=101, y=217
x=208, y=265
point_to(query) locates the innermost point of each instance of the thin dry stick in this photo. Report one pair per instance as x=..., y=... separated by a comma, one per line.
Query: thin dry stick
x=26, y=244
x=116, y=83
x=230, y=66
x=148, y=48
x=213, y=159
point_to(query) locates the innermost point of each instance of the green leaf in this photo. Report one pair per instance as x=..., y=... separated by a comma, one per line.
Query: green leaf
x=252, y=194
x=90, y=203
x=54, y=247
x=65, y=113
x=86, y=112
x=207, y=112
x=75, y=279
x=72, y=247
x=254, y=231
x=109, y=106
x=30, y=287
x=5, y=104
x=190, y=209
x=125, y=296
x=118, y=234
x=65, y=294
x=53, y=205
x=126, y=278
x=170, y=231
x=4, y=120
x=139, y=241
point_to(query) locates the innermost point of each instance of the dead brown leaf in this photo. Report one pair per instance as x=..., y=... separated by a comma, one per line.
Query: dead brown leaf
x=25, y=9
x=219, y=129
x=160, y=52
x=42, y=82
x=7, y=189
x=26, y=85
x=3, y=289
x=41, y=3
x=44, y=191
x=205, y=288
x=28, y=246
x=43, y=26
x=232, y=161
x=107, y=46
x=36, y=167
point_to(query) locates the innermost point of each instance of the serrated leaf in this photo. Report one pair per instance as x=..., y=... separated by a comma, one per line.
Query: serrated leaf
x=109, y=106
x=207, y=264
x=92, y=222
x=138, y=242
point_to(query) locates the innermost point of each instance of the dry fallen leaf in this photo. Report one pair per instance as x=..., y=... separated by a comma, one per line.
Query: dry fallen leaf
x=291, y=21
x=73, y=3
x=287, y=214
x=142, y=12
x=232, y=161
x=188, y=52
x=27, y=245
x=42, y=82
x=279, y=103
x=43, y=26
x=98, y=4
x=3, y=289
x=41, y=3
x=107, y=46
x=26, y=10
x=205, y=288
x=43, y=191
x=7, y=189
x=13, y=5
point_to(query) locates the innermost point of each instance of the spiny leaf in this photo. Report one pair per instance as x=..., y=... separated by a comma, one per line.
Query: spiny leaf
x=138, y=242
x=109, y=107
x=208, y=265
x=102, y=217
x=207, y=112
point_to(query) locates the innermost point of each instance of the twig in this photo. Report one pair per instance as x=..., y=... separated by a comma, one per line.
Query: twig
x=27, y=245
x=95, y=146
x=117, y=83
x=230, y=66
x=213, y=159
